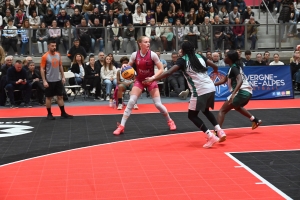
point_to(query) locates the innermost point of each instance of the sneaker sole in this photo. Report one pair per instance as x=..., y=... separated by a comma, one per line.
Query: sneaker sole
x=256, y=125
x=222, y=139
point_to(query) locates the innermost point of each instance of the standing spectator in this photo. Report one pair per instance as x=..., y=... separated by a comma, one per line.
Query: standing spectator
x=92, y=78
x=233, y=15
x=284, y=17
x=139, y=20
x=97, y=36
x=42, y=35
x=115, y=36
x=252, y=32
x=259, y=61
x=35, y=80
x=276, y=60
x=266, y=57
x=53, y=79
x=205, y=30
x=19, y=19
x=129, y=37
x=76, y=48
x=10, y=37
x=83, y=34
x=62, y=18
x=239, y=32
x=49, y=17
x=109, y=76
x=191, y=33
x=55, y=34
x=17, y=80
x=247, y=60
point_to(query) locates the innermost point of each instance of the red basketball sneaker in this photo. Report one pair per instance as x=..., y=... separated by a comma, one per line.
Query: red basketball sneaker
x=119, y=130
x=172, y=125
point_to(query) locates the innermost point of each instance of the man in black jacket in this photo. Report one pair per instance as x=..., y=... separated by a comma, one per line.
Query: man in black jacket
x=97, y=35
x=35, y=80
x=76, y=48
x=17, y=80
x=3, y=79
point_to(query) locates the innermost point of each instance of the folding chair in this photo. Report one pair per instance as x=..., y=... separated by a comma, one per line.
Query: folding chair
x=68, y=87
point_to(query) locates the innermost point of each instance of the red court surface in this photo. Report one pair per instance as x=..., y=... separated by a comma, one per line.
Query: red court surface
x=143, y=108
x=165, y=167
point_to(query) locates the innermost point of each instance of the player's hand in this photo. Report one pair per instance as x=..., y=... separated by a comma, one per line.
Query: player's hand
x=45, y=84
x=231, y=99
x=63, y=80
x=124, y=65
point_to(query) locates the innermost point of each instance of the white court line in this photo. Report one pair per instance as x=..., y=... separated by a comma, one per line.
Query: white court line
x=154, y=112
x=263, y=181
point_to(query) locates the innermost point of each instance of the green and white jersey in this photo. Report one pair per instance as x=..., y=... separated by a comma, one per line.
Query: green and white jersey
x=233, y=72
x=199, y=83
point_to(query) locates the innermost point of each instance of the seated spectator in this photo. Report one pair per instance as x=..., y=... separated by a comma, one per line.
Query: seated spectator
x=76, y=20
x=20, y=17
x=177, y=80
x=104, y=7
x=191, y=33
x=32, y=7
x=247, y=60
x=252, y=32
x=163, y=61
x=266, y=57
x=148, y=17
x=109, y=19
x=26, y=32
x=10, y=37
x=87, y=9
x=276, y=60
x=205, y=30
x=159, y=15
x=83, y=34
x=35, y=80
x=3, y=79
x=77, y=4
x=55, y=34
x=178, y=5
x=211, y=14
x=76, y=49
x=171, y=16
x=109, y=76
x=126, y=18
x=7, y=6
x=21, y=6
x=7, y=16
x=154, y=33
x=129, y=37
x=239, y=32
x=216, y=60
x=49, y=17
x=96, y=15
x=34, y=22
x=54, y=4
x=142, y=5
x=115, y=63
x=123, y=85
x=115, y=36
x=62, y=18
x=293, y=21
x=77, y=68
x=228, y=36
x=67, y=34
x=217, y=33
x=233, y=15
x=117, y=10
x=92, y=78
x=248, y=14
x=17, y=80
x=223, y=13
x=97, y=36
x=63, y=4
x=139, y=19
x=191, y=16
x=241, y=5
x=43, y=8
x=180, y=15
x=259, y=61
x=209, y=55
x=178, y=32
x=195, y=4
x=42, y=35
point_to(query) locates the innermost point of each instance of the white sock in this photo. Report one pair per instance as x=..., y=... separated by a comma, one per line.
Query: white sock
x=209, y=133
x=217, y=127
x=252, y=118
x=163, y=110
x=128, y=109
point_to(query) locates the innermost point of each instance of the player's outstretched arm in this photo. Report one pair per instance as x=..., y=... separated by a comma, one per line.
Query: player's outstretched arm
x=224, y=80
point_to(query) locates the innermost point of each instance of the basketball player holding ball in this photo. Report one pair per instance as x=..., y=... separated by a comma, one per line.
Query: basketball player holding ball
x=145, y=59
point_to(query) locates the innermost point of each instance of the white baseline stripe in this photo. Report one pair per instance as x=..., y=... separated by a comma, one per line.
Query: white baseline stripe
x=264, y=181
x=133, y=140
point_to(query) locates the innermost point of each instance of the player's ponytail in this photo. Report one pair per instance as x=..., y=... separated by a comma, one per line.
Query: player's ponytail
x=188, y=49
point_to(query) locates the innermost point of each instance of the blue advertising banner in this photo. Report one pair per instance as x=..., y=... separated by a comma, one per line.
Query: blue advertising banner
x=268, y=82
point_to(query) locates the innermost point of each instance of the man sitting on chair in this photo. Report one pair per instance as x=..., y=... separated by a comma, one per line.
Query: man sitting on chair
x=123, y=85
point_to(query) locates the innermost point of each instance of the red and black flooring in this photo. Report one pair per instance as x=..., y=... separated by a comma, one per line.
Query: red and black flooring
x=82, y=159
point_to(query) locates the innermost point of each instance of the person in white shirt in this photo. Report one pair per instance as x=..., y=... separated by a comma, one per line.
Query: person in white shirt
x=276, y=60
x=153, y=32
x=139, y=19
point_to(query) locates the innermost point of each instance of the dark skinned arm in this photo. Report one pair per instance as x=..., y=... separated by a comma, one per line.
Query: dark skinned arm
x=166, y=73
x=211, y=64
x=224, y=80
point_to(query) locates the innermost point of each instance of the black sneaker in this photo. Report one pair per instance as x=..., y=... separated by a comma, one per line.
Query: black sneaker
x=50, y=117
x=66, y=116
x=13, y=106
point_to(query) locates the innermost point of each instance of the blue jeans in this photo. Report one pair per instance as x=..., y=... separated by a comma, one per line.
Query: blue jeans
x=64, y=5
x=25, y=47
x=78, y=80
x=253, y=39
x=109, y=84
x=240, y=39
x=101, y=45
x=55, y=9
